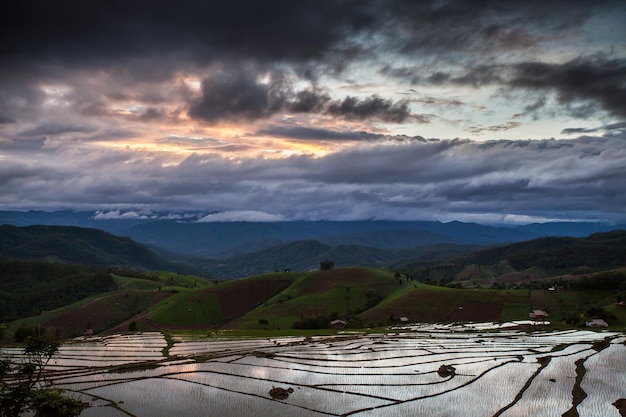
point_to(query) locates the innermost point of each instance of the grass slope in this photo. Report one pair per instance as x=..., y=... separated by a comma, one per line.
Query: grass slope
x=217, y=305
x=112, y=309
x=428, y=303
x=339, y=293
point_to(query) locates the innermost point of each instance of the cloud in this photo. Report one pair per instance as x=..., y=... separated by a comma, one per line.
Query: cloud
x=310, y=133
x=130, y=106
x=241, y=216
x=581, y=130
x=119, y=215
x=53, y=129
x=586, y=80
x=374, y=107
x=496, y=128
x=246, y=94
x=407, y=179
x=143, y=215
x=582, y=86
x=74, y=33
x=194, y=142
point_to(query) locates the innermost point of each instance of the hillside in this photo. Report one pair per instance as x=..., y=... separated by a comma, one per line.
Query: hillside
x=28, y=288
x=557, y=254
x=306, y=255
x=526, y=261
x=80, y=246
x=360, y=297
x=80, y=298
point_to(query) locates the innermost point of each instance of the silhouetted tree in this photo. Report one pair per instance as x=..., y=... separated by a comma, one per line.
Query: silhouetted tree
x=21, y=384
x=326, y=265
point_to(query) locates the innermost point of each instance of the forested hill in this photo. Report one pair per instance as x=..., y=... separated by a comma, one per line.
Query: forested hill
x=597, y=251
x=76, y=245
x=27, y=288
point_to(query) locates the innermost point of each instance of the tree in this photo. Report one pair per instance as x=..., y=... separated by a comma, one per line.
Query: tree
x=326, y=265
x=21, y=383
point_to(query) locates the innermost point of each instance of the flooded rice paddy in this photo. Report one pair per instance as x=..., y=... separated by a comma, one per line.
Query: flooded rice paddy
x=507, y=373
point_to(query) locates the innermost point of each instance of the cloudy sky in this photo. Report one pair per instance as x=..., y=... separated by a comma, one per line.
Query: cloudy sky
x=487, y=111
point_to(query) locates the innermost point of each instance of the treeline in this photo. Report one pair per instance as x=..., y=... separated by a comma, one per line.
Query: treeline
x=596, y=252
x=28, y=288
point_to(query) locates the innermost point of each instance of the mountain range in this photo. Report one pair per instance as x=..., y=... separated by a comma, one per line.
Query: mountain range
x=303, y=246
x=186, y=234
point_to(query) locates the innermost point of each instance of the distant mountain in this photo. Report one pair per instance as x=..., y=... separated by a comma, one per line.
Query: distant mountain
x=77, y=245
x=573, y=229
x=388, y=239
x=66, y=218
x=182, y=233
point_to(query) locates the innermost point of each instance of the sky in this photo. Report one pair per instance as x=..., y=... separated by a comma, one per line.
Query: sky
x=483, y=111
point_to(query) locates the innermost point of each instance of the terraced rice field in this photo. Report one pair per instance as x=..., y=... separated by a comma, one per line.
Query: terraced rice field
x=508, y=373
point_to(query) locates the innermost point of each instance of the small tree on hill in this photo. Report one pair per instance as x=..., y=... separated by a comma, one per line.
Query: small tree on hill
x=132, y=326
x=326, y=265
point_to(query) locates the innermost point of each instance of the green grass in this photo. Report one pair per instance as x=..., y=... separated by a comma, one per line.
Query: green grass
x=184, y=309
x=515, y=311
x=432, y=303
x=182, y=280
x=619, y=311
x=135, y=283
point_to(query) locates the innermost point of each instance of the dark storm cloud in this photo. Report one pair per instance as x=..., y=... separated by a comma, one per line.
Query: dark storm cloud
x=105, y=33
x=240, y=94
x=309, y=133
x=587, y=80
x=373, y=107
x=583, y=86
x=481, y=26
x=151, y=40
x=88, y=33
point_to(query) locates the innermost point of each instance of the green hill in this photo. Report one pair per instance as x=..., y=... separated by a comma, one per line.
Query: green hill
x=78, y=297
x=80, y=246
x=318, y=297
x=360, y=297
